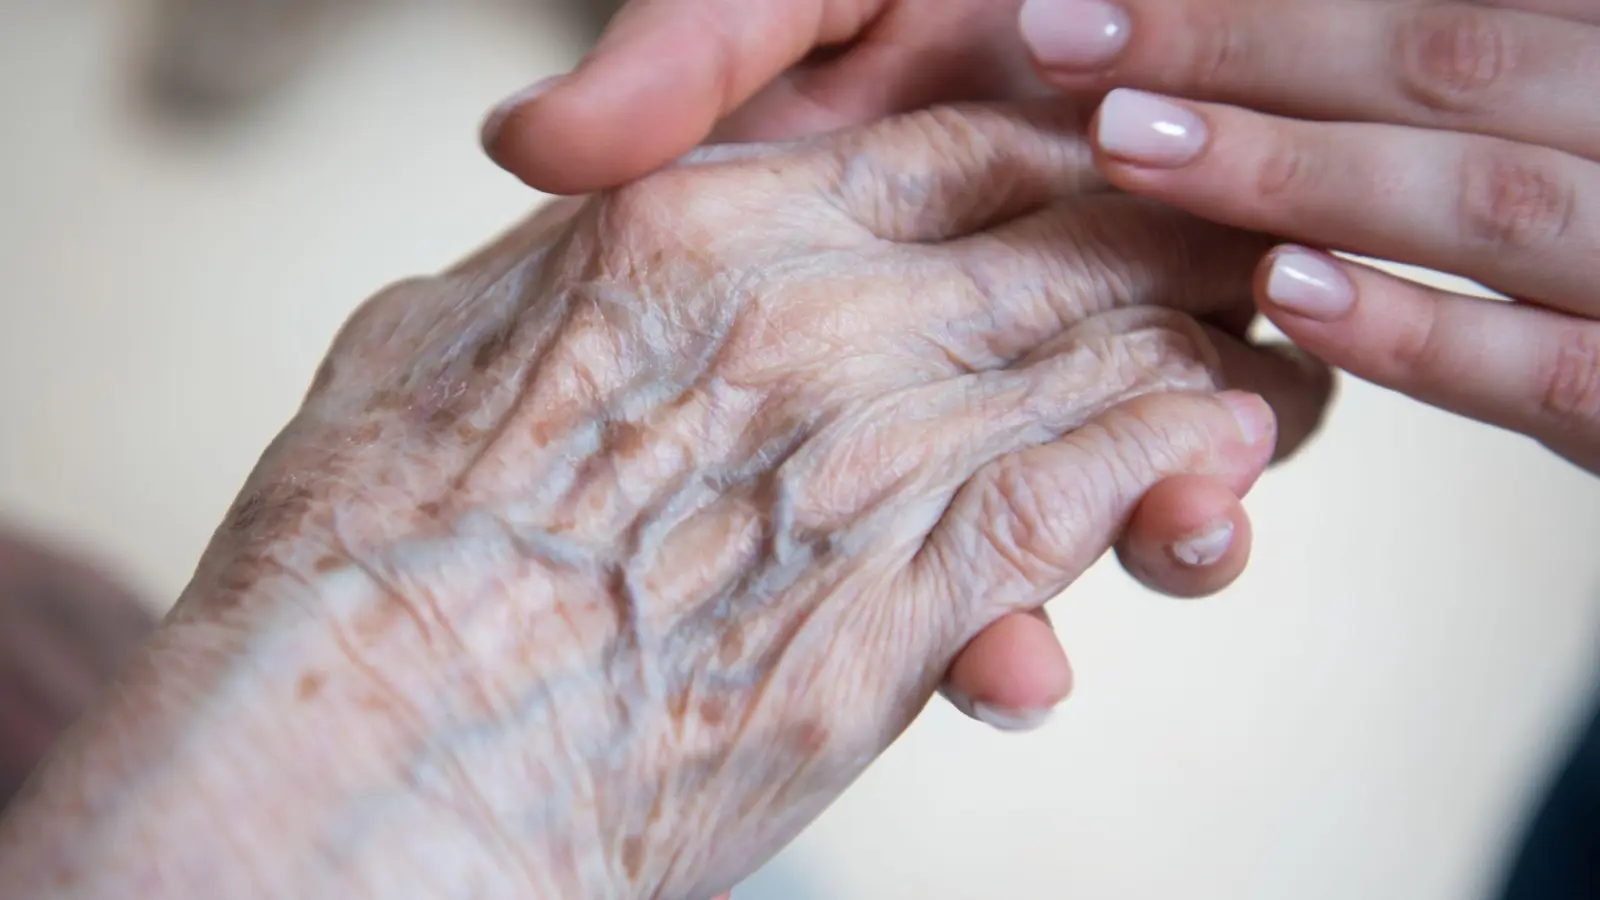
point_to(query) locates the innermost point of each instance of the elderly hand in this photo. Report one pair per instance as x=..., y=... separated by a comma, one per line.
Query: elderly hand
x=670, y=74
x=1456, y=136
x=600, y=565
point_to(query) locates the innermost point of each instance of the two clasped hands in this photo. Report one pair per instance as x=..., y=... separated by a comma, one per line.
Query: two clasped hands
x=598, y=565
x=1457, y=136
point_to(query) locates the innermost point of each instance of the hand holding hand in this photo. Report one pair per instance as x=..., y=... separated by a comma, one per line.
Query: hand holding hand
x=599, y=565
x=1456, y=136
x=671, y=74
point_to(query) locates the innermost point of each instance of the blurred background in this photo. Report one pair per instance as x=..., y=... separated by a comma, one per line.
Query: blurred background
x=1373, y=711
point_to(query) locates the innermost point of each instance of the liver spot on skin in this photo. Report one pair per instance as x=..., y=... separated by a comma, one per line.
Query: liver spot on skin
x=309, y=685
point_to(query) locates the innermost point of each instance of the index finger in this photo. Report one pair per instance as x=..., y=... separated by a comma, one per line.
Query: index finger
x=661, y=77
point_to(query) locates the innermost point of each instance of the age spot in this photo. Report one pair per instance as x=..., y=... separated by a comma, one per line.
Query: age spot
x=808, y=739
x=713, y=711
x=269, y=507
x=731, y=648
x=310, y=685
x=633, y=856
x=366, y=434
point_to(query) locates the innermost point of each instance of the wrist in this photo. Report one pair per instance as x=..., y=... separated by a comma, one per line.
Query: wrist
x=292, y=756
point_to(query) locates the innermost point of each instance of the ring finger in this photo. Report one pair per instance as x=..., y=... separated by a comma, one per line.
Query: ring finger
x=1517, y=218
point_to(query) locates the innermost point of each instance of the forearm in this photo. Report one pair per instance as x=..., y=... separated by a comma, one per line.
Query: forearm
x=279, y=745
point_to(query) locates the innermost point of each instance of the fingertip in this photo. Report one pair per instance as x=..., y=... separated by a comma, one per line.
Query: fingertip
x=1256, y=421
x=489, y=133
x=1073, y=46
x=1183, y=507
x=637, y=101
x=1012, y=675
x=1189, y=537
x=653, y=89
x=1299, y=283
x=584, y=132
x=1296, y=386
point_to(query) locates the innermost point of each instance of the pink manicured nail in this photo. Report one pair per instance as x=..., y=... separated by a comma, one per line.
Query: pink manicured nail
x=497, y=118
x=1309, y=284
x=1073, y=34
x=1148, y=130
x=1205, y=547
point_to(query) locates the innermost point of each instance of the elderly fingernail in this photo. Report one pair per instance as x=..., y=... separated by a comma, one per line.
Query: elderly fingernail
x=1143, y=128
x=497, y=119
x=1073, y=34
x=1253, y=415
x=1309, y=284
x=998, y=717
x=1205, y=547
x=1009, y=719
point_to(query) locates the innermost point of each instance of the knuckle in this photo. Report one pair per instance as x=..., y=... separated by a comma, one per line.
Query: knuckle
x=651, y=202
x=1416, y=346
x=1570, y=396
x=1288, y=171
x=902, y=176
x=1510, y=201
x=675, y=215
x=1026, y=533
x=1170, y=353
x=1152, y=444
x=380, y=318
x=721, y=40
x=1452, y=58
x=1224, y=50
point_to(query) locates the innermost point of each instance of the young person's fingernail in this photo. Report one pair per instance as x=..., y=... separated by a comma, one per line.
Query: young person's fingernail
x=497, y=118
x=1148, y=130
x=1309, y=284
x=1073, y=34
x=1205, y=547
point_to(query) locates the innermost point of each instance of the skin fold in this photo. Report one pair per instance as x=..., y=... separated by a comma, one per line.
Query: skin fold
x=600, y=564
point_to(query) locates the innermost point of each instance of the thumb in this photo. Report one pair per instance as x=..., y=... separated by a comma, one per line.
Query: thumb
x=661, y=77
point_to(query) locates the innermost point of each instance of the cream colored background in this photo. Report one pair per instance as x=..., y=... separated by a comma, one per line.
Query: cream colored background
x=1363, y=716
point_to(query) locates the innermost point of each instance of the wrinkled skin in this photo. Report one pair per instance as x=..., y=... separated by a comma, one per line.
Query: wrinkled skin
x=599, y=565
